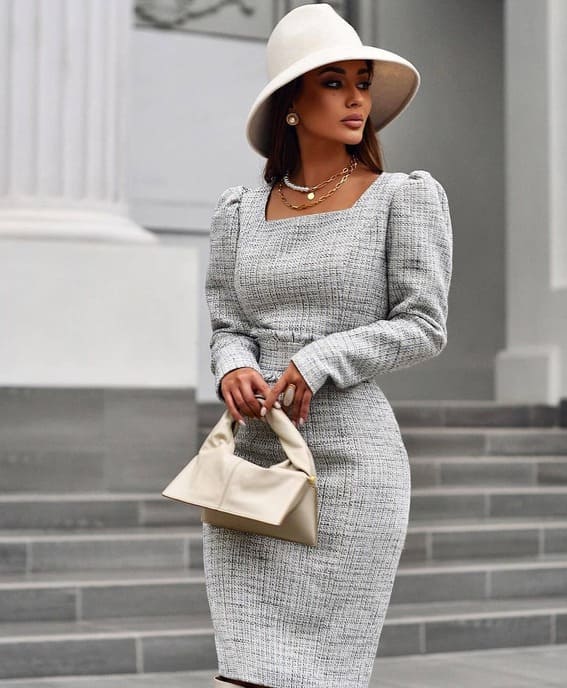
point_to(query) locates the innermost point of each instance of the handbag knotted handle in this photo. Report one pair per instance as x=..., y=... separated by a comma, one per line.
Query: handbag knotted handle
x=290, y=438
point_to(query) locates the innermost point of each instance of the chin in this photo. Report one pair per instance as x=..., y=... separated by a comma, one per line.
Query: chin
x=353, y=140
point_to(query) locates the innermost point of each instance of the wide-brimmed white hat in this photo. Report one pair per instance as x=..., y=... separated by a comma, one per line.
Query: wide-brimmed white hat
x=311, y=36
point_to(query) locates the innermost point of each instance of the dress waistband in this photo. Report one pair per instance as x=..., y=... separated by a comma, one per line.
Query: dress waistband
x=276, y=347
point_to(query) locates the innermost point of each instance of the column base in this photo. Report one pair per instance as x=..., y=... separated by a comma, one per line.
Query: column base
x=77, y=225
x=528, y=374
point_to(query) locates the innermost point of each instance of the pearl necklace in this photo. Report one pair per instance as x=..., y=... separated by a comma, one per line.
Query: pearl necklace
x=346, y=172
x=311, y=189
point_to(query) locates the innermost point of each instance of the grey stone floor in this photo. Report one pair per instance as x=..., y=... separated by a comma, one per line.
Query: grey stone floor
x=524, y=667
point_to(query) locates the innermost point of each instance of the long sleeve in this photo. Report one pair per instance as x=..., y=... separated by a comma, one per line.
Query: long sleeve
x=231, y=345
x=419, y=252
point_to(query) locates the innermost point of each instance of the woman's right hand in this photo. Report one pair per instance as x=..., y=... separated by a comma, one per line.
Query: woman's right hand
x=238, y=388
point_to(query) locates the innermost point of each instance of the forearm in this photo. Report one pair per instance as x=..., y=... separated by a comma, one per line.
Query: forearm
x=230, y=350
x=358, y=355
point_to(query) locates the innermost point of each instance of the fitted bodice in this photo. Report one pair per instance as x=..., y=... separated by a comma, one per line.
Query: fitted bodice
x=301, y=278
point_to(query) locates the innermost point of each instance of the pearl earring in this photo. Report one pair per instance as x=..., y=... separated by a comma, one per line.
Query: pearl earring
x=292, y=118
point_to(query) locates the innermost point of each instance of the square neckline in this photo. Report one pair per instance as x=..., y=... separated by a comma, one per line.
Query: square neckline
x=295, y=218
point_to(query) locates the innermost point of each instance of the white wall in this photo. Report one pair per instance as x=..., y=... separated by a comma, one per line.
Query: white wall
x=82, y=314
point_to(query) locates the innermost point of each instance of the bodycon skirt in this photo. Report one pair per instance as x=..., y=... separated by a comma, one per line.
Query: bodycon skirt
x=290, y=615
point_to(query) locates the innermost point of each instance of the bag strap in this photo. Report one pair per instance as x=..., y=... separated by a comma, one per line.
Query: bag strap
x=290, y=438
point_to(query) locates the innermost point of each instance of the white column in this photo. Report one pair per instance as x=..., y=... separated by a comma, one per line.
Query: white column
x=64, y=78
x=532, y=367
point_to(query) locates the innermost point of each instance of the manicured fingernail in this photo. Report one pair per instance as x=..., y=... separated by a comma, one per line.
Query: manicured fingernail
x=301, y=421
x=277, y=404
x=263, y=411
x=241, y=422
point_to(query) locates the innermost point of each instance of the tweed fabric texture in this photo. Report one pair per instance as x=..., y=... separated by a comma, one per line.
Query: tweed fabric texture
x=347, y=295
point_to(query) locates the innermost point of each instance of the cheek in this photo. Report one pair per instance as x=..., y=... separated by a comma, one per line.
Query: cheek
x=322, y=109
x=331, y=101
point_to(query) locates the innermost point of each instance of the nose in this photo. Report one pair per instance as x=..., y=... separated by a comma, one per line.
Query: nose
x=355, y=96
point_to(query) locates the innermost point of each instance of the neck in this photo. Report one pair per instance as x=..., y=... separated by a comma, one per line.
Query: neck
x=316, y=166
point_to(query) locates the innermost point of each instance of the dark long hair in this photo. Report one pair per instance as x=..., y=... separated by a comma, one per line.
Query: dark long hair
x=284, y=148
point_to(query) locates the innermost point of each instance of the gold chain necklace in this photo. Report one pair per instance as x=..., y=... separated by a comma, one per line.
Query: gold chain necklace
x=310, y=189
x=346, y=172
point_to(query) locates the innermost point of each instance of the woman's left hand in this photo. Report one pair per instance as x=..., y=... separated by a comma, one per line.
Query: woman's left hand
x=299, y=407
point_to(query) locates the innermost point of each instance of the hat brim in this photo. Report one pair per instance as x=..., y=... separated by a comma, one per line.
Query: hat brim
x=393, y=86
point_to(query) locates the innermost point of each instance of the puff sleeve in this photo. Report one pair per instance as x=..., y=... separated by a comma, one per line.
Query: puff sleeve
x=231, y=345
x=419, y=252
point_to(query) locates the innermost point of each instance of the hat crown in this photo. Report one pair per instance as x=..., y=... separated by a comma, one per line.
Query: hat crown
x=305, y=30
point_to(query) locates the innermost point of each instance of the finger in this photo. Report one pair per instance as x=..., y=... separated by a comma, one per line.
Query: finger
x=266, y=389
x=296, y=404
x=263, y=388
x=273, y=394
x=241, y=402
x=232, y=408
x=293, y=408
x=304, y=406
x=251, y=399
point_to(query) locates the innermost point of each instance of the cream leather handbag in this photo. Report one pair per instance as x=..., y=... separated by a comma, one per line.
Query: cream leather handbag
x=279, y=501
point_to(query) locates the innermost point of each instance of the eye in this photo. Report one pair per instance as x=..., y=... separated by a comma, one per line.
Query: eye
x=336, y=81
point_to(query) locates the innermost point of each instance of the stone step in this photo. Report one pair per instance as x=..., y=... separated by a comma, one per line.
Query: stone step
x=27, y=510
x=93, y=510
x=484, y=538
x=35, y=551
x=477, y=579
x=95, y=593
x=56, y=439
x=457, y=413
x=186, y=642
x=450, y=469
x=481, y=501
x=56, y=469
x=540, y=666
x=427, y=471
x=483, y=441
x=473, y=624
x=95, y=438
x=107, y=646
x=475, y=441
x=45, y=550
x=443, y=413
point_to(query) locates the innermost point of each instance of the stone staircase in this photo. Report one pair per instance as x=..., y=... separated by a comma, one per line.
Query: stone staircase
x=108, y=582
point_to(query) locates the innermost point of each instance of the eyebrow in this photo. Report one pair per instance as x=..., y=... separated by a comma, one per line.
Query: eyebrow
x=340, y=70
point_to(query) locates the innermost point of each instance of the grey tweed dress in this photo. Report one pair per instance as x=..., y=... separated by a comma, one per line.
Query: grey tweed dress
x=346, y=295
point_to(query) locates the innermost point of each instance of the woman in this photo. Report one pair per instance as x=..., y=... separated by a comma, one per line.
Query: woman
x=326, y=276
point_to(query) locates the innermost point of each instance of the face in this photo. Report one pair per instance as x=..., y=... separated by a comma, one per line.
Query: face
x=329, y=94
